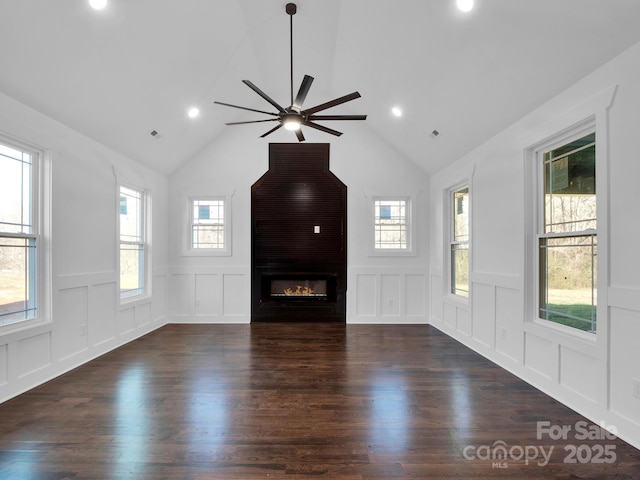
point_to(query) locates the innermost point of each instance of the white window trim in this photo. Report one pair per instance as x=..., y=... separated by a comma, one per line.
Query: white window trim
x=410, y=228
x=187, y=214
x=590, y=116
x=41, y=199
x=449, y=205
x=146, y=235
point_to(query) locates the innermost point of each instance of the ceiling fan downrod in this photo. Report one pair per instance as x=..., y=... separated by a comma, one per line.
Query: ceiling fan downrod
x=291, y=10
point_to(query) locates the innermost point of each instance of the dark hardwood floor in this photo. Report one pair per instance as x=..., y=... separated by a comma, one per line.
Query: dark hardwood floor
x=296, y=401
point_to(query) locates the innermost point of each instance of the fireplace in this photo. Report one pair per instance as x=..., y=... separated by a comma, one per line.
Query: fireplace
x=298, y=238
x=298, y=287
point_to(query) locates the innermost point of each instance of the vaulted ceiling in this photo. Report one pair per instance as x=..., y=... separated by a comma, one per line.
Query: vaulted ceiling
x=117, y=74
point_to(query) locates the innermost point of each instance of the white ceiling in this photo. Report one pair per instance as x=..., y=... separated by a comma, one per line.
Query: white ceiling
x=115, y=75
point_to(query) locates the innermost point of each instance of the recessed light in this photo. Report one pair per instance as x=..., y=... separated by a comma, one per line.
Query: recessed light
x=397, y=111
x=98, y=4
x=193, y=112
x=465, y=5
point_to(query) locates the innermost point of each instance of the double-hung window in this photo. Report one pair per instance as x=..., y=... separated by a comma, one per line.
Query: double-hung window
x=459, y=241
x=207, y=224
x=567, y=235
x=208, y=229
x=133, y=247
x=19, y=233
x=391, y=225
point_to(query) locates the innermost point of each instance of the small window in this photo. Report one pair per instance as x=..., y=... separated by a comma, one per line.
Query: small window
x=207, y=224
x=132, y=242
x=567, y=237
x=459, y=242
x=19, y=234
x=391, y=225
x=209, y=230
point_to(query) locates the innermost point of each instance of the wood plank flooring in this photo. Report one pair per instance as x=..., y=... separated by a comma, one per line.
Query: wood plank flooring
x=295, y=401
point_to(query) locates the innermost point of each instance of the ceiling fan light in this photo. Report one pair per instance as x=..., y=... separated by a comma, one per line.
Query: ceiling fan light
x=292, y=122
x=465, y=5
x=98, y=4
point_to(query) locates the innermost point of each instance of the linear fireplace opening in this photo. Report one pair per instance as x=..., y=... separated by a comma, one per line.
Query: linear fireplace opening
x=298, y=287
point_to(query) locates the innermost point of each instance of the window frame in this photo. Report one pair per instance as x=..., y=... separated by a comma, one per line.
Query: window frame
x=187, y=243
x=39, y=272
x=451, y=241
x=559, y=140
x=144, y=273
x=409, y=227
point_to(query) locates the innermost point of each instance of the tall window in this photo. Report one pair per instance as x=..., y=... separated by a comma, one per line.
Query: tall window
x=132, y=242
x=459, y=241
x=567, y=237
x=19, y=235
x=207, y=223
x=391, y=224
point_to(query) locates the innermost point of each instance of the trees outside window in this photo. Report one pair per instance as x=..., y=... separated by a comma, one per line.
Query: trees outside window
x=567, y=234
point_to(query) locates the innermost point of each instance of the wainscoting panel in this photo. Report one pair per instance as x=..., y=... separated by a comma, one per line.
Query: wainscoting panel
x=103, y=313
x=577, y=371
x=436, y=298
x=72, y=316
x=484, y=308
x=451, y=316
x=365, y=298
x=34, y=354
x=414, y=298
x=207, y=290
x=209, y=295
x=127, y=320
x=142, y=315
x=508, y=324
x=390, y=295
x=625, y=358
x=541, y=356
x=386, y=295
x=159, y=300
x=182, y=295
x=235, y=297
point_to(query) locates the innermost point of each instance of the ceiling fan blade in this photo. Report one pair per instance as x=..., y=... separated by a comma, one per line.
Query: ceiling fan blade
x=271, y=131
x=300, y=135
x=332, y=103
x=252, y=121
x=337, y=117
x=263, y=95
x=245, y=108
x=323, y=128
x=304, y=90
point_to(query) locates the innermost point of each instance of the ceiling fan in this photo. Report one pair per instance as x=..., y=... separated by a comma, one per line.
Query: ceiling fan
x=294, y=117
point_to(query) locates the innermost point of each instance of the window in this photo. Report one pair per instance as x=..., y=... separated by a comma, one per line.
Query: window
x=391, y=224
x=132, y=242
x=208, y=229
x=567, y=236
x=207, y=224
x=19, y=233
x=459, y=241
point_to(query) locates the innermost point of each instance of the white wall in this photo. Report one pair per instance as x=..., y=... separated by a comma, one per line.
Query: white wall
x=86, y=319
x=595, y=377
x=380, y=289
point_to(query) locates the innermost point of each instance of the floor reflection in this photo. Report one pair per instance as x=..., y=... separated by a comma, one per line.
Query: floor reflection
x=132, y=422
x=208, y=407
x=459, y=394
x=389, y=412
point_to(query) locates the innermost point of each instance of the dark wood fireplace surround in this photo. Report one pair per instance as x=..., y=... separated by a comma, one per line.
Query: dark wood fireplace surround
x=298, y=238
